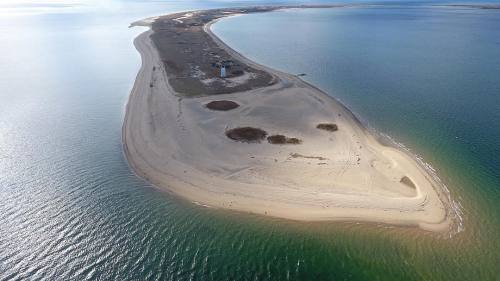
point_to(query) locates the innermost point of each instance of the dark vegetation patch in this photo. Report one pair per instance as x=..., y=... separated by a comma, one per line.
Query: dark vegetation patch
x=328, y=127
x=246, y=134
x=223, y=105
x=190, y=55
x=408, y=182
x=281, y=139
x=237, y=72
x=296, y=155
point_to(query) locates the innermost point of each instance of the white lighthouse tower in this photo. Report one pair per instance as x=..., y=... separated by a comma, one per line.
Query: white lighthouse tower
x=223, y=71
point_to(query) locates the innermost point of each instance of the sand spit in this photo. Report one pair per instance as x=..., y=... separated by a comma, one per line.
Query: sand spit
x=174, y=141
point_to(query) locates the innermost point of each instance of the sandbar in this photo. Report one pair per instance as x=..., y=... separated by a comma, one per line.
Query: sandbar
x=335, y=172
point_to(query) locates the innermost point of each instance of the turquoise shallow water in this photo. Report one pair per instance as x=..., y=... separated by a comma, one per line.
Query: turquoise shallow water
x=72, y=210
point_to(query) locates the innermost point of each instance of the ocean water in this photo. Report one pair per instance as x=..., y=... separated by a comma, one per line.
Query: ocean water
x=426, y=76
x=71, y=209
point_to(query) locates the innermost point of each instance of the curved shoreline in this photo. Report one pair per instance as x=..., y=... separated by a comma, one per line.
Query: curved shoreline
x=158, y=147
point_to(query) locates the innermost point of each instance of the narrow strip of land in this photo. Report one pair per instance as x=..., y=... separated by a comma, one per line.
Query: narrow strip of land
x=253, y=139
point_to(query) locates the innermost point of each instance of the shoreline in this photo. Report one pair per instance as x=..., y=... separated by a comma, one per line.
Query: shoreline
x=159, y=156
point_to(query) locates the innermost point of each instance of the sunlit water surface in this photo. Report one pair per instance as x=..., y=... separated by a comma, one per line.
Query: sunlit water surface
x=72, y=209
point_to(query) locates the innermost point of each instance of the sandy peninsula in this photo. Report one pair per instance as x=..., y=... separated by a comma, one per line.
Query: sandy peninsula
x=259, y=140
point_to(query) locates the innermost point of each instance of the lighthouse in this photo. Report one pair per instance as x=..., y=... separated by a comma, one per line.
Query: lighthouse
x=223, y=71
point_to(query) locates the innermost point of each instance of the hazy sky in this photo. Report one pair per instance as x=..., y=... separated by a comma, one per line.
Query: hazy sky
x=13, y=7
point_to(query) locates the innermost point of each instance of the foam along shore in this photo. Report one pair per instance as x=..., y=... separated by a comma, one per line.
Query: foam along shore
x=173, y=140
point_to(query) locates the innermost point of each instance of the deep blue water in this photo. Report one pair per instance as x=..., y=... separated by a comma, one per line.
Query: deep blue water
x=71, y=209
